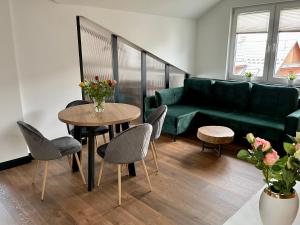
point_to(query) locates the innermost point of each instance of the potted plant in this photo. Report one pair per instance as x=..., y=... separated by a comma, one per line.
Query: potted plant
x=248, y=76
x=279, y=201
x=98, y=90
x=291, y=79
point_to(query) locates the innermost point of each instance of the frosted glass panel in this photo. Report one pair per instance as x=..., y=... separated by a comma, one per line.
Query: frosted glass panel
x=155, y=75
x=129, y=74
x=176, y=77
x=96, y=50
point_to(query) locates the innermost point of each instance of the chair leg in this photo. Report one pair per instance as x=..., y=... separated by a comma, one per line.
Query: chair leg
x=154, y=155
x=70, y=158
x=100, y=172
x=34, y=172
x=147, y=176
x=96, y=143
x=119, y=184
x=80, y=168
x=44, y=180
x=104, y=139
x=155, y=150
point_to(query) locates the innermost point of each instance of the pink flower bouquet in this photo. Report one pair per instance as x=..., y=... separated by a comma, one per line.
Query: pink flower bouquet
x=280, y=174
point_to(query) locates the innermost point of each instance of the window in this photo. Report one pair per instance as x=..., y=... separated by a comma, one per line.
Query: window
x=265, y=40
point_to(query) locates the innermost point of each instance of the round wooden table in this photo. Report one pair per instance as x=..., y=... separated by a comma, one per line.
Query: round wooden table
x=216, y=136
x=85, y=116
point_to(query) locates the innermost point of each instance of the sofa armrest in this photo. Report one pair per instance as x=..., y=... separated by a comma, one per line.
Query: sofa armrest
x=149, y=103
x=292, y=123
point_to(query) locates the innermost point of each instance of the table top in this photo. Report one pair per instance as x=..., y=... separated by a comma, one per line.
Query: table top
x=85, y=115
x=249, y=213
x=215, y=134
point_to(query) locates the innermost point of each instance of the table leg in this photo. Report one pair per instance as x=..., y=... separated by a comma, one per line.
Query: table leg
x=111, y=131
x=91, y=159
x=77, y=136
x=131, y=166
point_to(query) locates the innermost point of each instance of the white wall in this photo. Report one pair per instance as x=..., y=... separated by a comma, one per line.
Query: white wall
x=47, y=52
x=212, y=37
x=12, y=144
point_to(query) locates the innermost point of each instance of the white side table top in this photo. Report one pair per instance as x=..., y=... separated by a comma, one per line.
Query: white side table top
x=249, y=213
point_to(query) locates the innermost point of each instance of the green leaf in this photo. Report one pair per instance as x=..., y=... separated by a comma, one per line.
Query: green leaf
x=276, y=168
x=289, y=148
x=243, y=154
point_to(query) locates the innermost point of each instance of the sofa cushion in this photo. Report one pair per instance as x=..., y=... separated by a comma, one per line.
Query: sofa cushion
x=231, y=95
x=197, y=91
x=179, y=118
x=244, y=123
x=273, y=101
x=169, y=96
x=259, y=125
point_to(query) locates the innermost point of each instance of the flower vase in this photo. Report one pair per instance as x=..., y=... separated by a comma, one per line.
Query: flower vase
x=99, y=104
x=278, y=209
x=290, y=83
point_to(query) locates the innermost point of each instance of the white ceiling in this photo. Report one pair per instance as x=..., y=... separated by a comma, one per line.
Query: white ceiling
x=191, y=9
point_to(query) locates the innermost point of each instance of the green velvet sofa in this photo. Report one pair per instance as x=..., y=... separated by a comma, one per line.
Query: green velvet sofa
x=267, y=111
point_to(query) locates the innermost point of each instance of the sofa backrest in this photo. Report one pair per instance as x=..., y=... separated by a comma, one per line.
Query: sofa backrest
x=231, y=95
x=169, y=96
x=273, y=101
x=197, y=91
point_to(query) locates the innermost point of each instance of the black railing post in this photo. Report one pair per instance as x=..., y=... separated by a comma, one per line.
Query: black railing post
x=167, y=75
x=143, y=80
x=115, y=65
x=80, y=52
x=187, y=75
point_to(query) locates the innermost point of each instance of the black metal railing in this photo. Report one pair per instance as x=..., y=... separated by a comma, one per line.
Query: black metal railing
x=138, y=72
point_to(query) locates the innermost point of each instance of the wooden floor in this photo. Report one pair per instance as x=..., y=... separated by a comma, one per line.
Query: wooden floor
x=190, y=188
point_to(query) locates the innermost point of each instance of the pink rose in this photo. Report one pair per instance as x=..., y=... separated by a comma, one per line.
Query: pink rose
x=262, y=142
x=271, y=158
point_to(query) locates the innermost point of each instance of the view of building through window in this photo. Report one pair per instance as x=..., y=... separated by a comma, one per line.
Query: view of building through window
x=250, y=53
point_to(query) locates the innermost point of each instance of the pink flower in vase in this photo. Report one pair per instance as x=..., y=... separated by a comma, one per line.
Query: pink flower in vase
x=266, y=145
x=271, y=158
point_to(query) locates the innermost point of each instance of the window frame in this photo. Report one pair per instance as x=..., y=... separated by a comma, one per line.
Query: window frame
x=272, y=41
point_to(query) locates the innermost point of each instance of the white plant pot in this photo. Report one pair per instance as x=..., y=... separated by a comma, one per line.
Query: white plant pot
x=248, y=79
x=278, y=209
x=290, y=83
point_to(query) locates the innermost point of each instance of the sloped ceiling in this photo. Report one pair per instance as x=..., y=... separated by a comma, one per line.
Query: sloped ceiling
x=190, y=9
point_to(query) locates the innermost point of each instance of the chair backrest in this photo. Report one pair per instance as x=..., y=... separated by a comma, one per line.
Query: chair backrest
x=75, y=103
x=129, y=146
x=156, y=119
x=39, y=146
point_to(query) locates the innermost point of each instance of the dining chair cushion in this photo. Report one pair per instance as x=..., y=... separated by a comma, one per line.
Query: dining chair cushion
x=84, y=132
x=67, y=145
x=101, y=150
x=40, y=147
x=129, y=146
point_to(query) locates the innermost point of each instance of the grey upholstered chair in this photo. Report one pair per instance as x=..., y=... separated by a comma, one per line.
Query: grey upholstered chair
x=128, y=147
x=156, y=119
x=43, y=149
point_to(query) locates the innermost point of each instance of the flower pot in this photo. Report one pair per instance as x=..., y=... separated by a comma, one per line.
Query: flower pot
x=99, y=104
x=290, y=83
x=248, y=79
x=277, y=209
